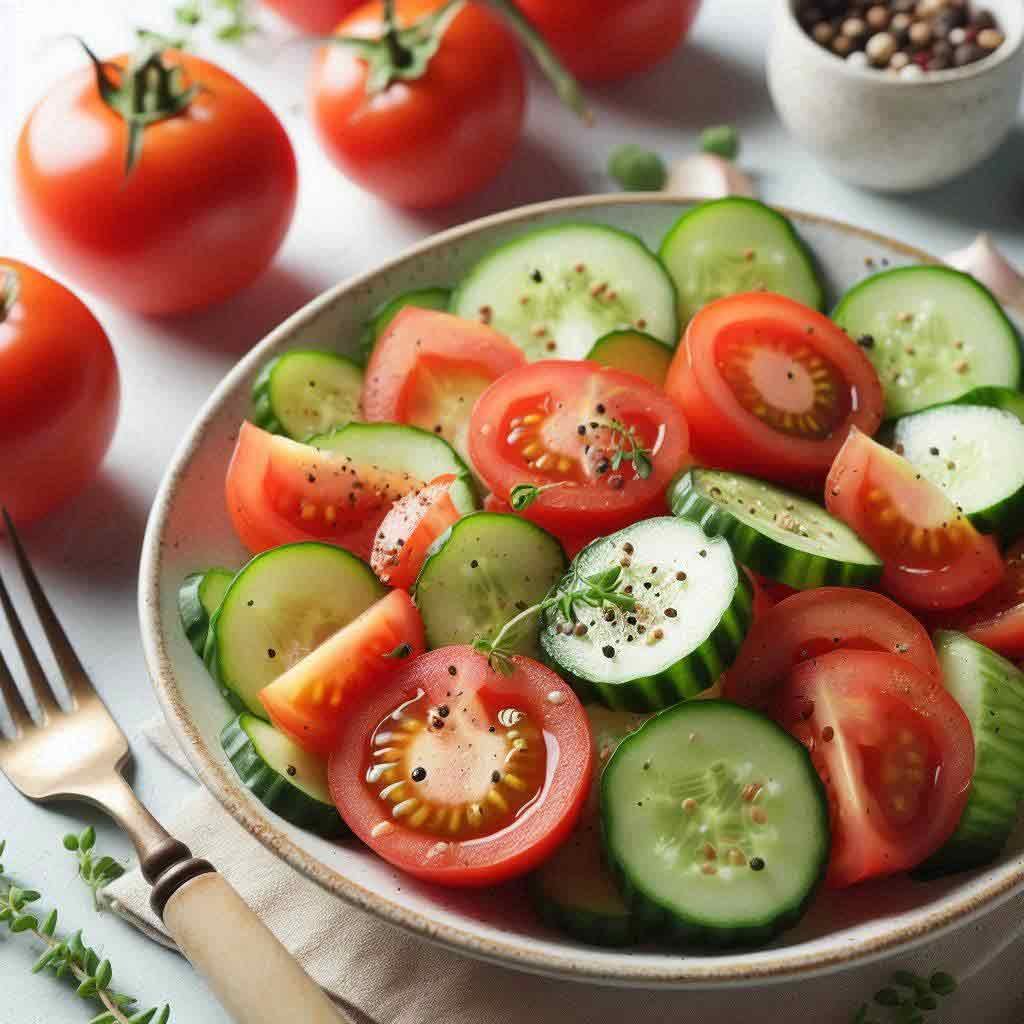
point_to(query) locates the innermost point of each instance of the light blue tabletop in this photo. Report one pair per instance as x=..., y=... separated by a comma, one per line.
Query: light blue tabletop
x=88, y=554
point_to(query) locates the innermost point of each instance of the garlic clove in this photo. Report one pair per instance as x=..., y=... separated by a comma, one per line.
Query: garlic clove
x=984, y=262
x=706, y=176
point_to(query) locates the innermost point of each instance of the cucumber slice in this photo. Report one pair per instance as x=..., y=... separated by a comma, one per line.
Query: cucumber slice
x=574, y=891
x=287, y=780
x=281, y=606
x=555, y=291
x=997, y=398
x=990, y=689
x=380, y=319
x=304, y=393
x=774, y=532
x=734, y=245
x=480, y=572
x=396, y=448
x=635, y=352
x=716, y=824
x=199, y=597
x=932, y=333
x=693, y=609
x=975, y=453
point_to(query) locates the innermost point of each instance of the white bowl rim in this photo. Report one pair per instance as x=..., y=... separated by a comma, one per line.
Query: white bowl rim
x=775, y=965
x=1011, y=45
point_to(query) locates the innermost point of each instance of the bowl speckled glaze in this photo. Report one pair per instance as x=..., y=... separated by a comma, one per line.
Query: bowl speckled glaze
x=874, y=129
x=189, y=530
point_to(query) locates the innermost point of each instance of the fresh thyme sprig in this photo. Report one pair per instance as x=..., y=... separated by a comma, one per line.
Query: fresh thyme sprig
x=522, y=496
x=596, y=591
x=70, y=957
x=233, y=23
x=907, y=998
x=96, y=872
x=640, y=457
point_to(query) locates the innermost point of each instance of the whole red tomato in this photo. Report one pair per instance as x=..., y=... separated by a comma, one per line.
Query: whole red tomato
x=605, y=40
x=200, y=214
x=428, y=140
x=316, y=16
x=59, y=392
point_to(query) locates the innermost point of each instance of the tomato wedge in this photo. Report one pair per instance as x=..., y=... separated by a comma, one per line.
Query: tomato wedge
x=996, y=619
x=771, y=387
x=428, y=368
x=609, y=440
x=894, y=750
x=934, y=558
x=816, y=622
x=461, y=775
x=311, y=699
x=279, y=491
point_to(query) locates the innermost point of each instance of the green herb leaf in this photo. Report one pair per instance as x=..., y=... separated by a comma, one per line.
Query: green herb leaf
x=87, y=840
x=24, y=923
x=722, y=140
x=401, y=651
x=71, y=842
x=637, y=169
x=942, y=984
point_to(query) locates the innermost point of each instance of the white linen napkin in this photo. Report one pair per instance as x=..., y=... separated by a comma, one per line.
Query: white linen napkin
x=381, y=975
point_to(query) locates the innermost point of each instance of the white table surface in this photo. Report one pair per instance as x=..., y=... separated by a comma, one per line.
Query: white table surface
x=88, y=553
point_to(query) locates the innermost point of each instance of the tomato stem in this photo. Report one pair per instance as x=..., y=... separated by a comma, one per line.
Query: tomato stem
x=400, y=55
x=10, y=289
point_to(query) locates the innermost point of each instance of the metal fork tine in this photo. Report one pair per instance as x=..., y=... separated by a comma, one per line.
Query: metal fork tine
x=74, y=674
x=15, y=705
x=40, y=685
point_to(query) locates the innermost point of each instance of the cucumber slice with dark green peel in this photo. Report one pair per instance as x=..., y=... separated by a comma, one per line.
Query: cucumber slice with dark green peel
x=555, y=291
x=396, y=448
x=990, y=689
x=480, y=573
x=996, y=398
x=693, y=609
x=199, y=597
x=715, y=823
x=380, y=320
x=304, y=393
x=775, y=532
x=285, y=778
x=636, y=352
x=975, y=454
x=932, y=333
x=574, y=891
x=728, y=246
x=282, y=605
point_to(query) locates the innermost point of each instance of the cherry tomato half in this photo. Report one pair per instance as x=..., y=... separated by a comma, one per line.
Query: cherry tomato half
x=772, y=388
x=59, y=393
x=894, y=750
x=431, y=140
x=609, y=440
x=815, y=622
x=461, y=775
x=934, y=558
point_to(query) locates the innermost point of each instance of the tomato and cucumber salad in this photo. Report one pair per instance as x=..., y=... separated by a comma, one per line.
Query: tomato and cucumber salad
x=546, y=589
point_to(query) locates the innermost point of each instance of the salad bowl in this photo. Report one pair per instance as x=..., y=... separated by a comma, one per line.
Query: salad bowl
x=189, y=528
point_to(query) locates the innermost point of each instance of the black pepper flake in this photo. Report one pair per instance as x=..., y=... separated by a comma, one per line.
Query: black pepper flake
x=581, y=429
x=866, y=341
x=680, y=576
x=599, y=409
x=756, y=864
x=250, y=603
x=419, y=773
x=271, y=653
x=933, y=450
x=495, y=776
x=608, y=651
x=291, y=769
x=670, y=613
x=311, y=478
x=474, y=564
x=702, y=553
x=444, y=711
x=537, y=276
x=452, y=670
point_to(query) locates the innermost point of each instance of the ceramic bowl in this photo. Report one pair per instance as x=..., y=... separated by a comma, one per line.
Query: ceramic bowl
x=884, y=132
x=189, y=530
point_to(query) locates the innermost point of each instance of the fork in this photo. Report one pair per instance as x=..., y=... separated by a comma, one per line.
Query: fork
x=79, y=754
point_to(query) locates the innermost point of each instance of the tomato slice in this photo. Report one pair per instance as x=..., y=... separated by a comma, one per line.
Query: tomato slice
x=816, y=622
x=428, y=368
x=997, y=618
x=460, y=775
x=577, y=425
x=771, y=387
x=894, y=750
x=279, y=491
x=934, y=558
x=413, y=524
x=311, y=699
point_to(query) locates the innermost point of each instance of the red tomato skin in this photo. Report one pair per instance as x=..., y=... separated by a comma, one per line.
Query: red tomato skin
x=865, y=844
x=363, y=647
x=424, y=336
x=537, y=832
x=426, y=142
x=607, y=40
x=201, y=215
x=316, y=17
x=862, y=465
x=724, y=434
x=808, y=624
x=59, y=396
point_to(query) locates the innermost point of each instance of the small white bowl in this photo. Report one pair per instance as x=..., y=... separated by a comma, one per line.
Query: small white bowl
x=894, y=134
